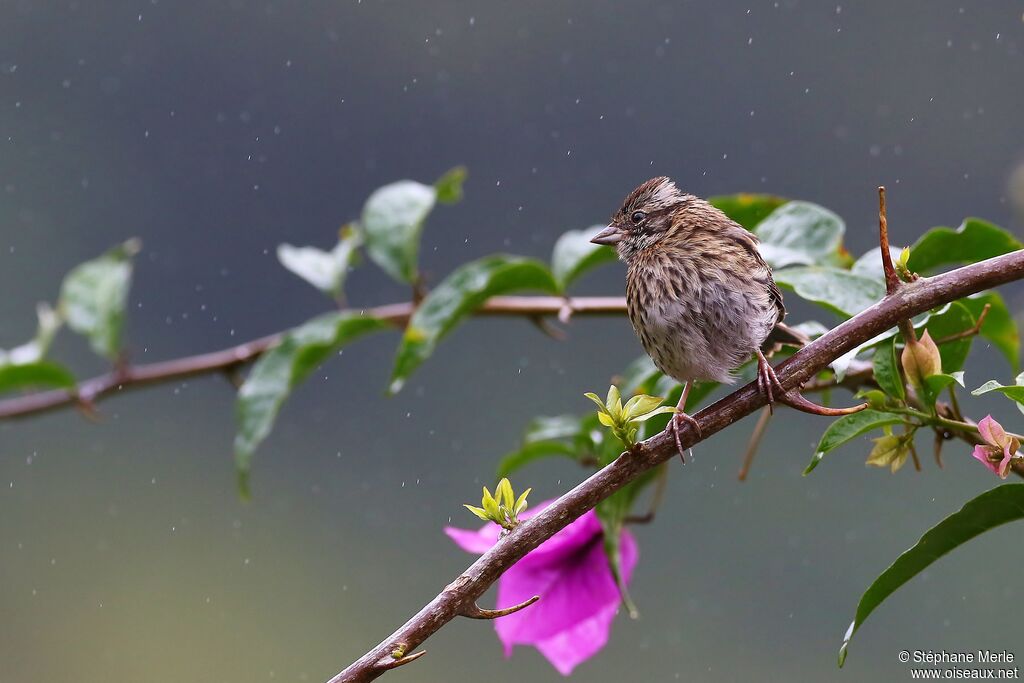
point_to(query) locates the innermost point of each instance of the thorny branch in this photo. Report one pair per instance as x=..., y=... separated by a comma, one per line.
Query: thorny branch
x=902, y=301
x=905, y=301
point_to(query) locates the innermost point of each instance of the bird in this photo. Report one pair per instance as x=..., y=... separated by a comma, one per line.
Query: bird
x=700, y=296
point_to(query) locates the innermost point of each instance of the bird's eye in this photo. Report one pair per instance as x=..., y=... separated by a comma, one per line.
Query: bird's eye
x=638, y=216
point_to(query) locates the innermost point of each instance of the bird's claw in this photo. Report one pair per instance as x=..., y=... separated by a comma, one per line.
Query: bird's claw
x=768, y=383
x=674, y=425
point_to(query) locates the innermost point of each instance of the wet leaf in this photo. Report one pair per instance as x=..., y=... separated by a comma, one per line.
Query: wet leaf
x=987, y=511
x=955, y=319
x=35, y=374
x=746, y=208
x=449, y=186
x=93, y=297
x=531, y=452
x=325, y=270
x=392, y=221
x=840, y=291
x=849, y=427
x=975, y=240
x=999, y=326
x=552, y=427
x=800, y=233
x=574, y=254
x=281, y=369
x=1013, y=391
x=887, y=372
x=870, y=264
x=36, y=348
x=458, y=295
x=934, y=385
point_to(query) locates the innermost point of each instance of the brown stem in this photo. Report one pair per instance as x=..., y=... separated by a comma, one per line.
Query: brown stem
x=892, y=280
x=964, y=334
x=908, y=300
x=754, y=443
x=132, y=376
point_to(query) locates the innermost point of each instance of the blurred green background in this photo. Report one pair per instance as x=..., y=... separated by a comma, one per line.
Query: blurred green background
x=216, y=130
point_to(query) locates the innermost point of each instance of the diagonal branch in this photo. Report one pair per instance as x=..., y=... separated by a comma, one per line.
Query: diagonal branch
x=227, y=360
x=906, y=301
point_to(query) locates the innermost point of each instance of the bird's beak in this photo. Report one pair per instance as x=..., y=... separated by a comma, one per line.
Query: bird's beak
x=610, y=236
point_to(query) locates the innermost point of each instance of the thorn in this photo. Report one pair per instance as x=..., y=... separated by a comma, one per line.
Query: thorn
x=939, y=439
x=892, y=280
x=474, y=611
x=913, y=454
x=88, y=408
x=233, y=374
x=755, y=441
x=794, y=399
x=541, y=323
x=397, y=658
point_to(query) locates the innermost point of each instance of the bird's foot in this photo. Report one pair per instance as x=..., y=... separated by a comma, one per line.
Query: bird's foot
x=675, y=423
x=769, y=385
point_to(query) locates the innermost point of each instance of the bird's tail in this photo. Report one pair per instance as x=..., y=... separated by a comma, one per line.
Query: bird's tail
x=783, y=334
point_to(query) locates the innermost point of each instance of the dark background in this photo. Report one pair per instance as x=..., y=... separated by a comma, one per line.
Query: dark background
x=216, y=130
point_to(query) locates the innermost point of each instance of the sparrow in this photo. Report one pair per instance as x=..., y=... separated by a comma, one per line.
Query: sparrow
x=699, y=295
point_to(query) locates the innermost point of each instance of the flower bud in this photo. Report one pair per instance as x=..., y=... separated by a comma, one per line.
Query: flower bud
x=921, y=359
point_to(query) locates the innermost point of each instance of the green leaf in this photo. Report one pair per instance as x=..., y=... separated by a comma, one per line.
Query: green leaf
x=870, y=264
x=458, y=295
x=40, y=373
x=449, y=186
x=1014, y=391
x=999, y=326
x=840, y=291
x=934, y=384
x=800, y=233
x=849, y=427
x=640, y=375
x=392, y=222
x=954, y=319
x=325, y=270
x=746, y=208
x=93, y=297
x=987, y=511
x=530, y=452
x=574, y=254
x=281, y=369
x=975, y=240
x=552, y=427
x=641, y=405
x=887, y=372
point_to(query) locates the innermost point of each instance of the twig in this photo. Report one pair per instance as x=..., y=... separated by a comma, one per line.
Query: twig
x=656, y=499
x=892, y=280
x=908, y=300
x=963, y=334
x=132, y=376
x=754, y=443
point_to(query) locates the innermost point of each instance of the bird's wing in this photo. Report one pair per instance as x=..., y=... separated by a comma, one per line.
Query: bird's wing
x=748, y=241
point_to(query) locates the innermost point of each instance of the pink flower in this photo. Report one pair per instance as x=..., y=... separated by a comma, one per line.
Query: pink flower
x=999, y=448
x=570, y=571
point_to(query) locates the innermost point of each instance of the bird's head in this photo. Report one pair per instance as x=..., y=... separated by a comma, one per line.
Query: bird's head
x=648, y=216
